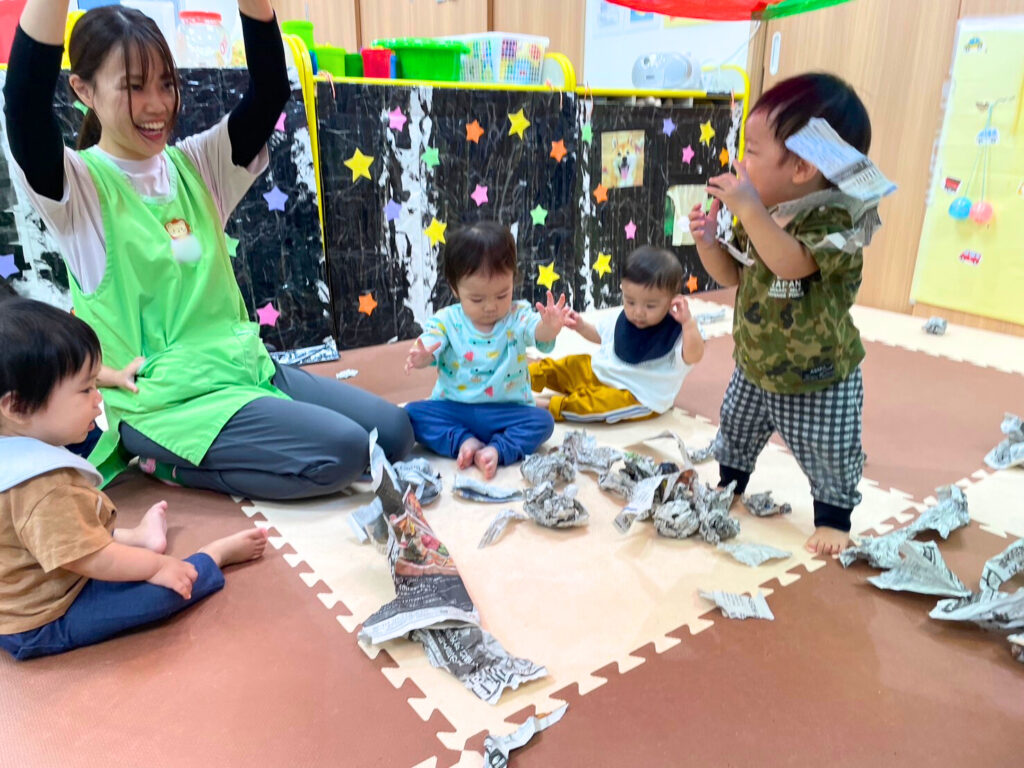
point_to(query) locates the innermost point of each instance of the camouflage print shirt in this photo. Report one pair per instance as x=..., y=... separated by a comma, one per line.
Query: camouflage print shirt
x=796, y=336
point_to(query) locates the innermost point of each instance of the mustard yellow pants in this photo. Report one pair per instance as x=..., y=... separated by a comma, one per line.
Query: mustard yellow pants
x=582, y=397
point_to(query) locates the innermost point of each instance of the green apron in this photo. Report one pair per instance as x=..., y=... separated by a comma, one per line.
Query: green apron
x=169, y=295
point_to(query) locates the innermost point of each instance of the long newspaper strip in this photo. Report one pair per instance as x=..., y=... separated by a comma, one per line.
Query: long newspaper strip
x=1017, y=647
x=368, y=523
x=687, y=465
x=641, y=503
x=843, y=165
x=497, y=748
x=1010, y=452
x=740, y=606
x=555, y=467
x=922, y=571
x=588, y=456
x=946, y=516
x=700, y=455
x=991, y=608
x=555, y=509
x=473, y=490
x=763, y=505
x=498, y=525
x=754, y=554
x=477, y=659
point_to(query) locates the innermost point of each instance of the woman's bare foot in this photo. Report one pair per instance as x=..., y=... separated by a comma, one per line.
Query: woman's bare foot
x=237, y=548
x=487, y=461
x=467, y=452
x=828, y=541
x=150, y=533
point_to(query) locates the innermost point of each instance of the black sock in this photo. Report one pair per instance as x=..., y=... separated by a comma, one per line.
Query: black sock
x=728, y=474
x=831, y=516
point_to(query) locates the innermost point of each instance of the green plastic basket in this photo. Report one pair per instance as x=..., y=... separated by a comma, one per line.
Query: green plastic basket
x=421, y=58
x=353, y=65
x=331, y=59
x=303, y=29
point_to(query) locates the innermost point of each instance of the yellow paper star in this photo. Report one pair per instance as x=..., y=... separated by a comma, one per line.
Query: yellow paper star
x=519, y=123
x=601, y=193
x=474, y=131
x=360, y=164
x=707, y=133
x=724, y=156
x=692, y=283
x=436, y=231
x=603, y=264
x=558, y=150
x=547, y=275
x=367, y=304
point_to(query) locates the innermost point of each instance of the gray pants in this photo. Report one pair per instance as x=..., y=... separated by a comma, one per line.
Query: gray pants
x=315, y=444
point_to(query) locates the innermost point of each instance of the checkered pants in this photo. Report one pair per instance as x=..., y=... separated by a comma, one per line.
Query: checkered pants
x=822, y=429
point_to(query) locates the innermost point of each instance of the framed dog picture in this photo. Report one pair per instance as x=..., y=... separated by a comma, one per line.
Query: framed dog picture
x=622, y=159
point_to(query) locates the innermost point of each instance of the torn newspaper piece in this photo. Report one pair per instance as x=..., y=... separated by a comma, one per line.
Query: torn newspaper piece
x=553, y=468
x=763, y=505
x=647, y=493
x=754, y=554
x=488, y=493
x=498, y=525
x=712, y=505
x=421, y=476
x=843, y=165
x=348, y=373
x=740, y=606
x=588, y=456
x=1010, y=452
x=477, y=659
x=497, y=748
x=936, y=326
x=991, y=608
x=700, y=455
x=368, y=523
x=676, y=520
x=922, y=571
x=554, y=509
x=1017, y=647
x=687, y=465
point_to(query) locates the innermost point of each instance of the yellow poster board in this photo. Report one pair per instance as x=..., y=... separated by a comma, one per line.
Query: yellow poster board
x=967, y=261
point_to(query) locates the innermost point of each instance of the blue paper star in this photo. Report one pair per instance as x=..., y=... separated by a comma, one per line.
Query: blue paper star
x=7, y=266
x=668, y=126
x=392, y=210
x=275, y=199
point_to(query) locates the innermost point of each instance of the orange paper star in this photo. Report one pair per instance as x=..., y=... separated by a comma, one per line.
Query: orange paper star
x=558, y=150
x=724, y=156
x=367, y=304
x=474, y=131
x=692, y=283
x=601, y=193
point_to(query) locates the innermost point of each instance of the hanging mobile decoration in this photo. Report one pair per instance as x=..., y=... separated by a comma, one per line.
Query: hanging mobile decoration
x=963, y=207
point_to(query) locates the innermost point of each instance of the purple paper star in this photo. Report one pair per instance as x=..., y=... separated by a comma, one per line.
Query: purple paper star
x=268, y=315
x=630, y=230
x=687, y=153
x=7, y=266
x=479, y=195
x=275, y=199
x=396, y=119
x=668, y=126
x=391, y=210
x=279, y=125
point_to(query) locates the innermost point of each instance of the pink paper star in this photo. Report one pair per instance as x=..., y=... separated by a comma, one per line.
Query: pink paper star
x=479, y=195
x=268, y=315
x=396, y=119
x=630, y=230
x=279, y=126
x=687, y=153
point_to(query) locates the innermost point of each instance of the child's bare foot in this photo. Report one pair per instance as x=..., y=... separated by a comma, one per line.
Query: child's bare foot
x=467, y=452
x=487, y=461
x=237, y=548
x=150, y=533
x=828, y=541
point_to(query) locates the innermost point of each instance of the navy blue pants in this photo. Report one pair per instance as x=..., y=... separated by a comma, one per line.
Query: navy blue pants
x=104, y=609
x=515, y=430
x=85, y=447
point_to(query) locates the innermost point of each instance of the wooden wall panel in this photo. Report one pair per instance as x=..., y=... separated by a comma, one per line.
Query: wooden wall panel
x=561, y=21
x=335, y=21
x=420, y=18
x=991, y=8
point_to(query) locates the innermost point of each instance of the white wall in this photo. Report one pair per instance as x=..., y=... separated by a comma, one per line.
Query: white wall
x=615, y=37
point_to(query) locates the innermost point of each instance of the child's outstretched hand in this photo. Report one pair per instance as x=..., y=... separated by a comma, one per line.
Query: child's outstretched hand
x=123, y=379
x=704, y=226
x=420, y=356
x=680, y=310
x=736, y=192
x=553, y=314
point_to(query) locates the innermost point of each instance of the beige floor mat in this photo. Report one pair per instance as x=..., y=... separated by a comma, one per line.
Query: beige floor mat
x=575, y=600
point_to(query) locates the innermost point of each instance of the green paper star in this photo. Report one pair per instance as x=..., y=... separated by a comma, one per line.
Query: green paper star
x=587, y=134
x=539, y=216
x=232, y=245
x=431, y=157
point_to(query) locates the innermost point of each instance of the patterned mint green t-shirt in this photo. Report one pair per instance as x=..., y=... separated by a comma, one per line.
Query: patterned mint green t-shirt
x=475, y=367
x=797, y=336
